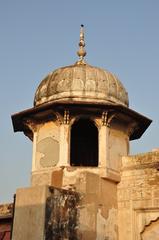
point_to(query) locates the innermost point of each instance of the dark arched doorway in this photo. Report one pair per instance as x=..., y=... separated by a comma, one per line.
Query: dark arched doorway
x=84, y=143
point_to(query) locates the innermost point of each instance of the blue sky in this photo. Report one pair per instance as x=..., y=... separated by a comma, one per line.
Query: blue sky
x=38, y=36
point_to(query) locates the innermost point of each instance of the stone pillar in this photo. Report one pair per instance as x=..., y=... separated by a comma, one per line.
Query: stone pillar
x=64, y=145
x=34, y=152
x=29, y=218
x=103, y=147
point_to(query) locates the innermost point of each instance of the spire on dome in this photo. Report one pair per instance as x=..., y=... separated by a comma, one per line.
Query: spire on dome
x=81, y=52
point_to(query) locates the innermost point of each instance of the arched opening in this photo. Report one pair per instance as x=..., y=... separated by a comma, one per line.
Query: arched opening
x=84, y=143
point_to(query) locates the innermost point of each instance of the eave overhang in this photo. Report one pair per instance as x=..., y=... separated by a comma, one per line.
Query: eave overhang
x=45, y=112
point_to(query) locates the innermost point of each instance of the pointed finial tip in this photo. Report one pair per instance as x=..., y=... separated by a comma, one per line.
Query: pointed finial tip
x=81, y=52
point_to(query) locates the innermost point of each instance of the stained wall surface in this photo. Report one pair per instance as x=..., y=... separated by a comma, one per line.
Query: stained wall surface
x=138, y=197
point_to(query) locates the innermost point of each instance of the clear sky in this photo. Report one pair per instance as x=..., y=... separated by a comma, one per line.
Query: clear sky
x=38, y=36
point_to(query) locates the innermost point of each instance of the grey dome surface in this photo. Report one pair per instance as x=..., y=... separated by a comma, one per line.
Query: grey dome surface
x=81, y=83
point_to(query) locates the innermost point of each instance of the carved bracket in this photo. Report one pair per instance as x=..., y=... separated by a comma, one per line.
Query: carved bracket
x=31, y=125
x=66, y=118
x=104, y=118
x=59, y=118
x=107, y=118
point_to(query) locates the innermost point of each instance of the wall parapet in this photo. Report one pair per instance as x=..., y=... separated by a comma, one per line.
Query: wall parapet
x=6, y=210
x=138, y=161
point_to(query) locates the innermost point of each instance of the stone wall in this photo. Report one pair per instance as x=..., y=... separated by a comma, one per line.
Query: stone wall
x=85, y=209
x=98, y=203
x=138, y=196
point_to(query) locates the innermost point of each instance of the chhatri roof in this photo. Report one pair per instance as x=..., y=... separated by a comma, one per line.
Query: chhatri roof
x=81, y=82
x=81, y=88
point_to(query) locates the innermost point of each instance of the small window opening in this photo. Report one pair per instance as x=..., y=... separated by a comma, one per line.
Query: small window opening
x=84, y=143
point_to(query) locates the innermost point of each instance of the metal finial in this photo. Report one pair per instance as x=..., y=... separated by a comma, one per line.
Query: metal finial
x=81, y=52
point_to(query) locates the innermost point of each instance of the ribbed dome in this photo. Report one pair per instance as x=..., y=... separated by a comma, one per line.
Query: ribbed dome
x=81, y=83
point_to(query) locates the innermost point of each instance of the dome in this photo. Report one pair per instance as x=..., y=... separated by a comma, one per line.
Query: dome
x=81, y=83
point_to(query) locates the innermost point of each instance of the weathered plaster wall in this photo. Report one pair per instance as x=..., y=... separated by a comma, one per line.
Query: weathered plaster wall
x=138, y=195
x=98, y=209
x=48, y=213
x=97, y=186
x=51, y=149
x=47, y=145
x=41, y=177
x=118, y=147
x=98, y=200
x=62, y=215
x=46, y=152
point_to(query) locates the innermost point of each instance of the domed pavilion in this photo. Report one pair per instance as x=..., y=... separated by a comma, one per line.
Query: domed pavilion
x=81, y=126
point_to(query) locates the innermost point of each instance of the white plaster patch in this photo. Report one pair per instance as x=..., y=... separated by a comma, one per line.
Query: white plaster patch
x=106, y=228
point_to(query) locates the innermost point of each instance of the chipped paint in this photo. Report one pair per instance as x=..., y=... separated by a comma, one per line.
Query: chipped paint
x=107, y=228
